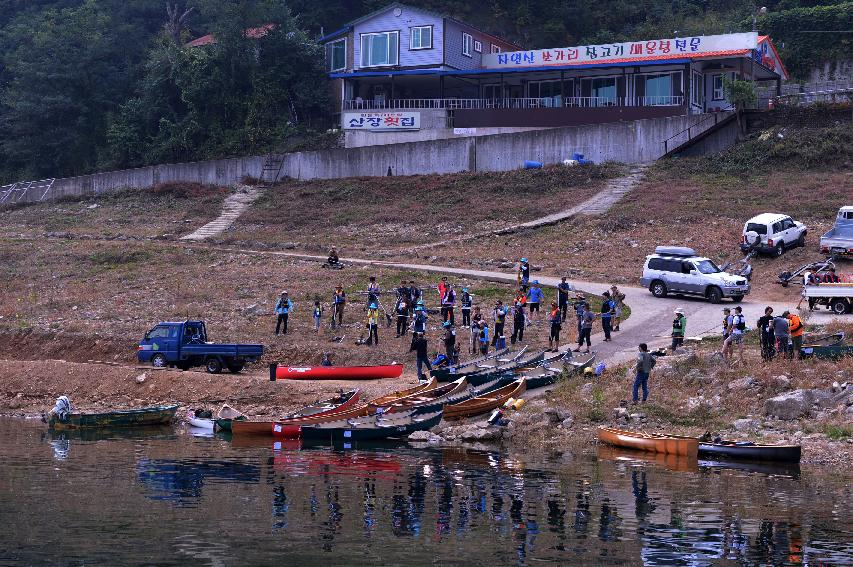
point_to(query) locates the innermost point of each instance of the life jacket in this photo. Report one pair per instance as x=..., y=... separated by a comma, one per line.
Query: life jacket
x=500, y=314
x=466, y=300
x=796, y=326
x=555, y=317
x=678, y=326
x=739, y=322
x=318, y=312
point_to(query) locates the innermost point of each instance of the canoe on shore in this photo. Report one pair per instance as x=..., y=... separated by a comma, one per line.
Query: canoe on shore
x=451, y=373
x=549, y=373
x=388, y=398
x=152, y=415
x=486, y=402
x=669, y=444
x=335, y=404
x=446, y=393
x=338, y=372
x=371, y=428
x=752, y=451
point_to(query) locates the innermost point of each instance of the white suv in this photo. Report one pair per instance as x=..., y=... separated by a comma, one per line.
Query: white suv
x=772, y=233
x=680, y=271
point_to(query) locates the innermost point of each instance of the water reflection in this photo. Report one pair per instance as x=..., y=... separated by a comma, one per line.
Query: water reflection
x=281, y=502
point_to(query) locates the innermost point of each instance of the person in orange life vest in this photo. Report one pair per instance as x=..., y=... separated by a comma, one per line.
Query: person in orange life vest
x=797, y=330
x=555, y=318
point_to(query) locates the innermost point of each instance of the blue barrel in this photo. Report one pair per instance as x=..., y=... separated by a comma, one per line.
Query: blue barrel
x=577, y=157
x=532, y=164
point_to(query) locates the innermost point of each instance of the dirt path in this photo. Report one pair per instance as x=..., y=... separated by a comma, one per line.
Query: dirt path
x=232, y=208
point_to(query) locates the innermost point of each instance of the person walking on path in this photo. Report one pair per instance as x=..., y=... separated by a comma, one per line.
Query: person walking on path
x=563, y=289
x=339, y=301
x=555, y=319
x=448, y=301
x=765, y=327
x=535, y=297
x=607, y=309
x=618, y=301
x=467, y=302
x=586, y=328
x=373, y=324
x=402, y=312
x=781, y=326
x=318, y=316
x=484, y=337
x=518, y=321
x=499, y=315
x=679, y=326
x=797, y=330
x=645, y=363
x=283, y=308
x=419, y=346
x=449, y=340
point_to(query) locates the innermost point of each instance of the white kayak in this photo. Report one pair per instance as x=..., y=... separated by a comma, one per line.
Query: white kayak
x=199, y=422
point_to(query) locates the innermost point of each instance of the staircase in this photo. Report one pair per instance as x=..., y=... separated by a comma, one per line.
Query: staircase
x=271, y=170
x=232, y=208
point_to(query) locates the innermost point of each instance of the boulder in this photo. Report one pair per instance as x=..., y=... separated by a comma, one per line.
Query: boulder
x=742, y=384
x=479, y=434
x=745, y=424
x=569, y=422
x=790, y=405
x=420, y=436
x=620, y=412
x=557, y=415
x=782, y=382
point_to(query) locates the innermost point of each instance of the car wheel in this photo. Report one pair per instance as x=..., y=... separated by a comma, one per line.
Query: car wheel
x=159, y=361
x=839, y=306
x=658, y=288
x=214, y=366
x=779, y=250
x=801, y=241
x=737, y=298
x=715, y=295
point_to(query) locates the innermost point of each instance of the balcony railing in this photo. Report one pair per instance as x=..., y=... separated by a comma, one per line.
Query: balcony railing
x=509, y=103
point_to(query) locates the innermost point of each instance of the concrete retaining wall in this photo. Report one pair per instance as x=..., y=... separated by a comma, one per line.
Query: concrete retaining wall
x=628, y=142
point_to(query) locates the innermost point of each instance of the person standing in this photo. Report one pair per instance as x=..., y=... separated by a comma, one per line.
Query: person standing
x=618, y=301
x=339, y=301
x=578, y=304
x=318, y=316
x=727, y=323
x=419, y=345
x=534, y=299
x=555, y=319
x=523, y=273
x=736, y=331
x=476, y=319
x=499, y=315
x=373, y=324
x=449, y=340
x=765, y=327
x=586, y=328
x=448, y=301
x=679, y=326
x=517, y=323
x=644, y=366
x=797, y=330
x=442, y=287
x=283, y=308
x=414, y=295
x=563, y=289
x=419, y=321
x=373, y=291
x=467, y=302
x=484, y=337
x=402, y=312
x=781, y=326
x=606, y=315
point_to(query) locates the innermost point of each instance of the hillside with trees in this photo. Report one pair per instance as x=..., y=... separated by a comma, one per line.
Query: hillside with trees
x=88, y=85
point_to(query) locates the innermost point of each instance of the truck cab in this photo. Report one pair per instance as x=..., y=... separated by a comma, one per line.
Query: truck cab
x=839, y=240
x=184, y=344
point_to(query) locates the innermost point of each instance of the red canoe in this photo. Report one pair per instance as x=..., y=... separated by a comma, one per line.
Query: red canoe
x=338, y=372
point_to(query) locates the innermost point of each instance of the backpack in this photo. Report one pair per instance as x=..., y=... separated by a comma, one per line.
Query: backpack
x=739, y=323
x=652, y=361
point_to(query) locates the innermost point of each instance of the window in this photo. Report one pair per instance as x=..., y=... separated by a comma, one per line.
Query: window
x=756, y=228
x=687, y=267
x=478, y=47
x=467, y=44
x=496, y=49
x=659, y=89
x=707, y=267
x=551, y=92
x=338, y=55
x=421, y=38
x=718, y=93
x=600, y=91
x=696, y=89
x=379, y=49
x=158, y=333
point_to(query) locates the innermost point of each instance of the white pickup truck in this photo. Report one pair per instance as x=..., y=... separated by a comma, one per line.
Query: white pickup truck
x=839, y=240
x=837, y=296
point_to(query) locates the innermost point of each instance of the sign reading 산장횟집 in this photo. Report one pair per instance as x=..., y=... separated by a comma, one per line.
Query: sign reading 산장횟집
x=632, y=50
x=381, y=121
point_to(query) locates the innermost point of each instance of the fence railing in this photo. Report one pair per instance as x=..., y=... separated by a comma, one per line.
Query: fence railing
x=698, y=127
x=16, y=192
x=509, y=103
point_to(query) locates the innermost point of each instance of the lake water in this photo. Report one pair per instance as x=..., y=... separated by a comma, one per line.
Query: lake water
x=166, y=497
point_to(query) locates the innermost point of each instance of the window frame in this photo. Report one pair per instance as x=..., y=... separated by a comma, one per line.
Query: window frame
x=331, y=45
x=478, y=46
x=363, y=51
x=420, y=37
x=697, y=94
x=496, y=48
x=467, y=44
x=722, y=91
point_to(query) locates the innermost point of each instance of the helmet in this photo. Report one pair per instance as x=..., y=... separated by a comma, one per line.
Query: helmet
x=588, y=370
x=446, y=324
x=464, y=289
x=524, y=260
x=373, y=306
x=420, y=301
x=535, y=282
x=419, y=308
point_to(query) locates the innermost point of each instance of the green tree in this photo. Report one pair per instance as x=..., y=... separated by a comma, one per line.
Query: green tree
x=742, y=95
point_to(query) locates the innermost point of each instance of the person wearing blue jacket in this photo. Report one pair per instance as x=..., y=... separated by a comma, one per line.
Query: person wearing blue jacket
x=534, y=299
x=283, y=309
x=608, y=308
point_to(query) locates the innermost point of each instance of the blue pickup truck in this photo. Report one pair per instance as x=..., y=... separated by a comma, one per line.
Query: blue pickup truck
x=184, y=344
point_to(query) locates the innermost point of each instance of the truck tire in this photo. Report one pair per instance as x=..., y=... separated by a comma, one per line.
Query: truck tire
x=714, y=294
x=658, y=289
x=159, y=361
x=801, y=241
x=213, y=365
x=779, y=250
x=235, y=367
x=839, y=306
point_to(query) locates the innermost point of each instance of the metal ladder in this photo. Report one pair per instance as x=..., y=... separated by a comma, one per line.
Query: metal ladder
x=271, y=170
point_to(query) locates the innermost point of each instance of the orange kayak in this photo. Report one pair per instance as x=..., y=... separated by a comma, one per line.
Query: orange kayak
x=668, y=444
